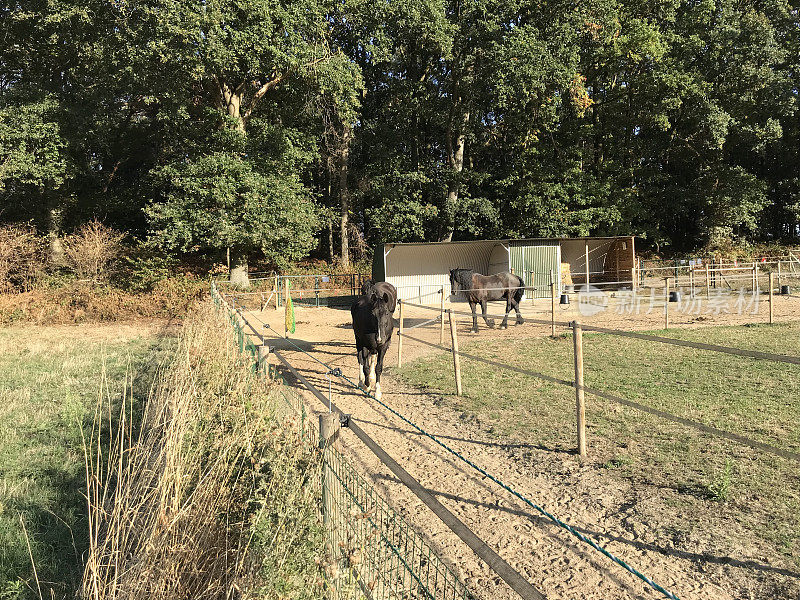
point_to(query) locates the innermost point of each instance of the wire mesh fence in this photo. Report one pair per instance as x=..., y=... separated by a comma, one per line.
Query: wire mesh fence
x=319, y=289
x=372, y=553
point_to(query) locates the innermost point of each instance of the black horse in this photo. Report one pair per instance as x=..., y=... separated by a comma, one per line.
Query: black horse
x=367, y=286
x=480, y=289
x=373, y=327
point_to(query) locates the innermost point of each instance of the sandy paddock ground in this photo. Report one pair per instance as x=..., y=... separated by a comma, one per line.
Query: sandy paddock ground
x=554, y=561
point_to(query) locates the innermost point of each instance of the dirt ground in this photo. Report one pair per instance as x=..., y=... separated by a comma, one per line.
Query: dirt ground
x=611, y=512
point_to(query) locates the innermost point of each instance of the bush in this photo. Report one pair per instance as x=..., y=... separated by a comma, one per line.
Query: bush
x=142, y=268
x=21, y=258
x=92, y=251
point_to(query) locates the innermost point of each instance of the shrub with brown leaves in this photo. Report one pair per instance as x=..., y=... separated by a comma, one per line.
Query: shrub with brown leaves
x=92, y=251
x=21, y=258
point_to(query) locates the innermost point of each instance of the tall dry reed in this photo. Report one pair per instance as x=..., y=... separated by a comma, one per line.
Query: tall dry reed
x=208, y=494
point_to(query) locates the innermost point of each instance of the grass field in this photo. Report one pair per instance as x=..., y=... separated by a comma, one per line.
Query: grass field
x=691, y=472
x=50, y=380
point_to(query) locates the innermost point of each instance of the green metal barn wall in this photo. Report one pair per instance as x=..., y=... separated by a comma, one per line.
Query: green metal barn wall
x=533, y=261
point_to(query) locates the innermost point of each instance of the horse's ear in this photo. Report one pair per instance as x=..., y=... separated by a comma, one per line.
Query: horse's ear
x=386, y=298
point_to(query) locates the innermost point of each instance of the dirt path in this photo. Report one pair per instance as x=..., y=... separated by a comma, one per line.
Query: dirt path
x=554, y=561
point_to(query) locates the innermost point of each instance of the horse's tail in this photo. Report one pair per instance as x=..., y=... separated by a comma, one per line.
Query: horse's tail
x=520, y=291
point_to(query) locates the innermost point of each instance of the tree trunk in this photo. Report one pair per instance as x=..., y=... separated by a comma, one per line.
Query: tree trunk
x=55, y=247
x=344, y=193
x=230, y=100
x=455, y=156
x=239, y=276
x=330, y=239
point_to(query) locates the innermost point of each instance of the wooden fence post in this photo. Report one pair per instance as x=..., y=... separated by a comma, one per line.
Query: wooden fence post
x=285, y=303
x=771, y=286
x=552, y=304
x=328, y=425
x=691, y=282
x=277, y=292
x=263, y=360
x=441, y=325
x=779, y=273
x=666, y=302
x=755, y=278
x=580, y=408
x=708, y=282
x=400, y=336
x=456, y=360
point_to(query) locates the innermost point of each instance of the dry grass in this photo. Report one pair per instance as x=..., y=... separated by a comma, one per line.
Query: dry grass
x=209, y=498
x=80, y=303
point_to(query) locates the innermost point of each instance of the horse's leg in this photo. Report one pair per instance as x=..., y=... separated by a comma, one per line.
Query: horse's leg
x=504, y=325
x=483, y=310
x=361, y=373
x=379, y=369
x=474, y=317
x=515, y=304
x=372, y=359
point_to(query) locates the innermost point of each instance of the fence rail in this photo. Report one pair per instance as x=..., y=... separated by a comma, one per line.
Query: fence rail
x=479, y=547
x=579, y=387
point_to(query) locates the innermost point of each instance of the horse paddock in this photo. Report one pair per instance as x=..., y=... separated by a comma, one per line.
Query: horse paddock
x=690, y=539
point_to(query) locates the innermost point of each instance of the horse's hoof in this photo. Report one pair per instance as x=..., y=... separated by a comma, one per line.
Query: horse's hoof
x=520, y=322
x=473, y=331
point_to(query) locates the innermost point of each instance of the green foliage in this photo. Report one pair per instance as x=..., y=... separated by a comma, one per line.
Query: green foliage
x=143, y=267
x=719, y=488
x=220, y=201
x=31, y=147
x=675, y=122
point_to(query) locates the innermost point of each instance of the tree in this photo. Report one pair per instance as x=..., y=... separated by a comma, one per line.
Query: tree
x=220, y=201
x=227, y=85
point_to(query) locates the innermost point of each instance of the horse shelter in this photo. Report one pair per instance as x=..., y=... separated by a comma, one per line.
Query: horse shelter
x=420, y=270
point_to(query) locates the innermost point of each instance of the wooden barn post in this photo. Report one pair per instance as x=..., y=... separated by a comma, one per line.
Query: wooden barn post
x=580, y=408
x=638, y=277
x=552, y=304
x=441, y=318
x=400, y=336
x=456, y=359
x=771, y=286
x=586, y=258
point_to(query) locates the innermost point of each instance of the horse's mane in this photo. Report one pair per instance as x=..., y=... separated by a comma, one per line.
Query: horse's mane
x=464, y=278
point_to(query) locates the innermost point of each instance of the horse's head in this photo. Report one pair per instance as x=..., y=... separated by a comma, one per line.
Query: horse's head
x=460, y=279
x=380, y=310
x=366, y=287
x=453, y=282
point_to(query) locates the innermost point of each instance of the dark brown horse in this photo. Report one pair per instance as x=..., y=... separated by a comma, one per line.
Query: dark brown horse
x=479, y=289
